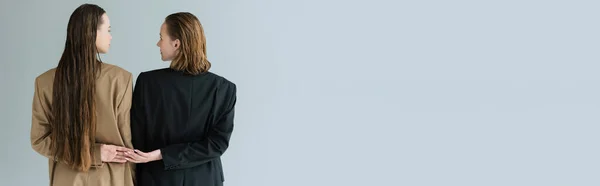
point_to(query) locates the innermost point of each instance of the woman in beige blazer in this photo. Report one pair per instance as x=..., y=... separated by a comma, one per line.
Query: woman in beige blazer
x=80, y=118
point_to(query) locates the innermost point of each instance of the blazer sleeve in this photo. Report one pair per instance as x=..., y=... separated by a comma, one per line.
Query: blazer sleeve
x=123, y=111
x=40, y=126
x=186, y=155
x=138, y=122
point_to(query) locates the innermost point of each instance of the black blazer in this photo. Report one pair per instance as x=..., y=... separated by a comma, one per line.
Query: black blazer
x=189, y=118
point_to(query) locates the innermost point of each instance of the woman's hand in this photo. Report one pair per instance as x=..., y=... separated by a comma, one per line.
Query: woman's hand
x=141, y=157
x=112, y=153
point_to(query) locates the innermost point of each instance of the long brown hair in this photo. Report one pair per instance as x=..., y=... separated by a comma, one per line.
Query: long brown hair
x=191, y=56
x=73, y=106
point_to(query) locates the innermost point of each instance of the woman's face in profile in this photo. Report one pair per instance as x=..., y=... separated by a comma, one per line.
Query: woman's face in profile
x=103, y=36
x=168, y=46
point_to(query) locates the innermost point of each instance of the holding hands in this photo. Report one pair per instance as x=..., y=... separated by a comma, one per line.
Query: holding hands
x=140, y=157
x=118, y=154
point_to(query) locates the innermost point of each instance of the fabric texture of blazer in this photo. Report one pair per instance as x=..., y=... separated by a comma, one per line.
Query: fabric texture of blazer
x=113, y=103
x=190, y=119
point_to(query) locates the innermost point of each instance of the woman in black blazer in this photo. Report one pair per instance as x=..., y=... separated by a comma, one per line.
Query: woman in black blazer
x=182, y=116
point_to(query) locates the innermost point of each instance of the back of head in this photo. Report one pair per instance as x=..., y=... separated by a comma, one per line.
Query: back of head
x=73, y=119
x=191, y=56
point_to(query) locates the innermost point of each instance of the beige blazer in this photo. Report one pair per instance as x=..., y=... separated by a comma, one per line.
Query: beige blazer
x=113, y=101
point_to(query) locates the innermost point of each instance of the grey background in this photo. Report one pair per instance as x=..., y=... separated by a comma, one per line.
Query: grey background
x=335, y=92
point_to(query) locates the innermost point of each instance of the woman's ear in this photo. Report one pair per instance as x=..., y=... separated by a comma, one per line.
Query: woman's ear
x=176, y=44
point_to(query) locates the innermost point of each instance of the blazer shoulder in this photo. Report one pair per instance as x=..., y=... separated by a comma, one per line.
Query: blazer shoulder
x=115, y=71
x=48, y=74
x=46, y=78
x=152, y=73
x=155, y=72
x=221, y=80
